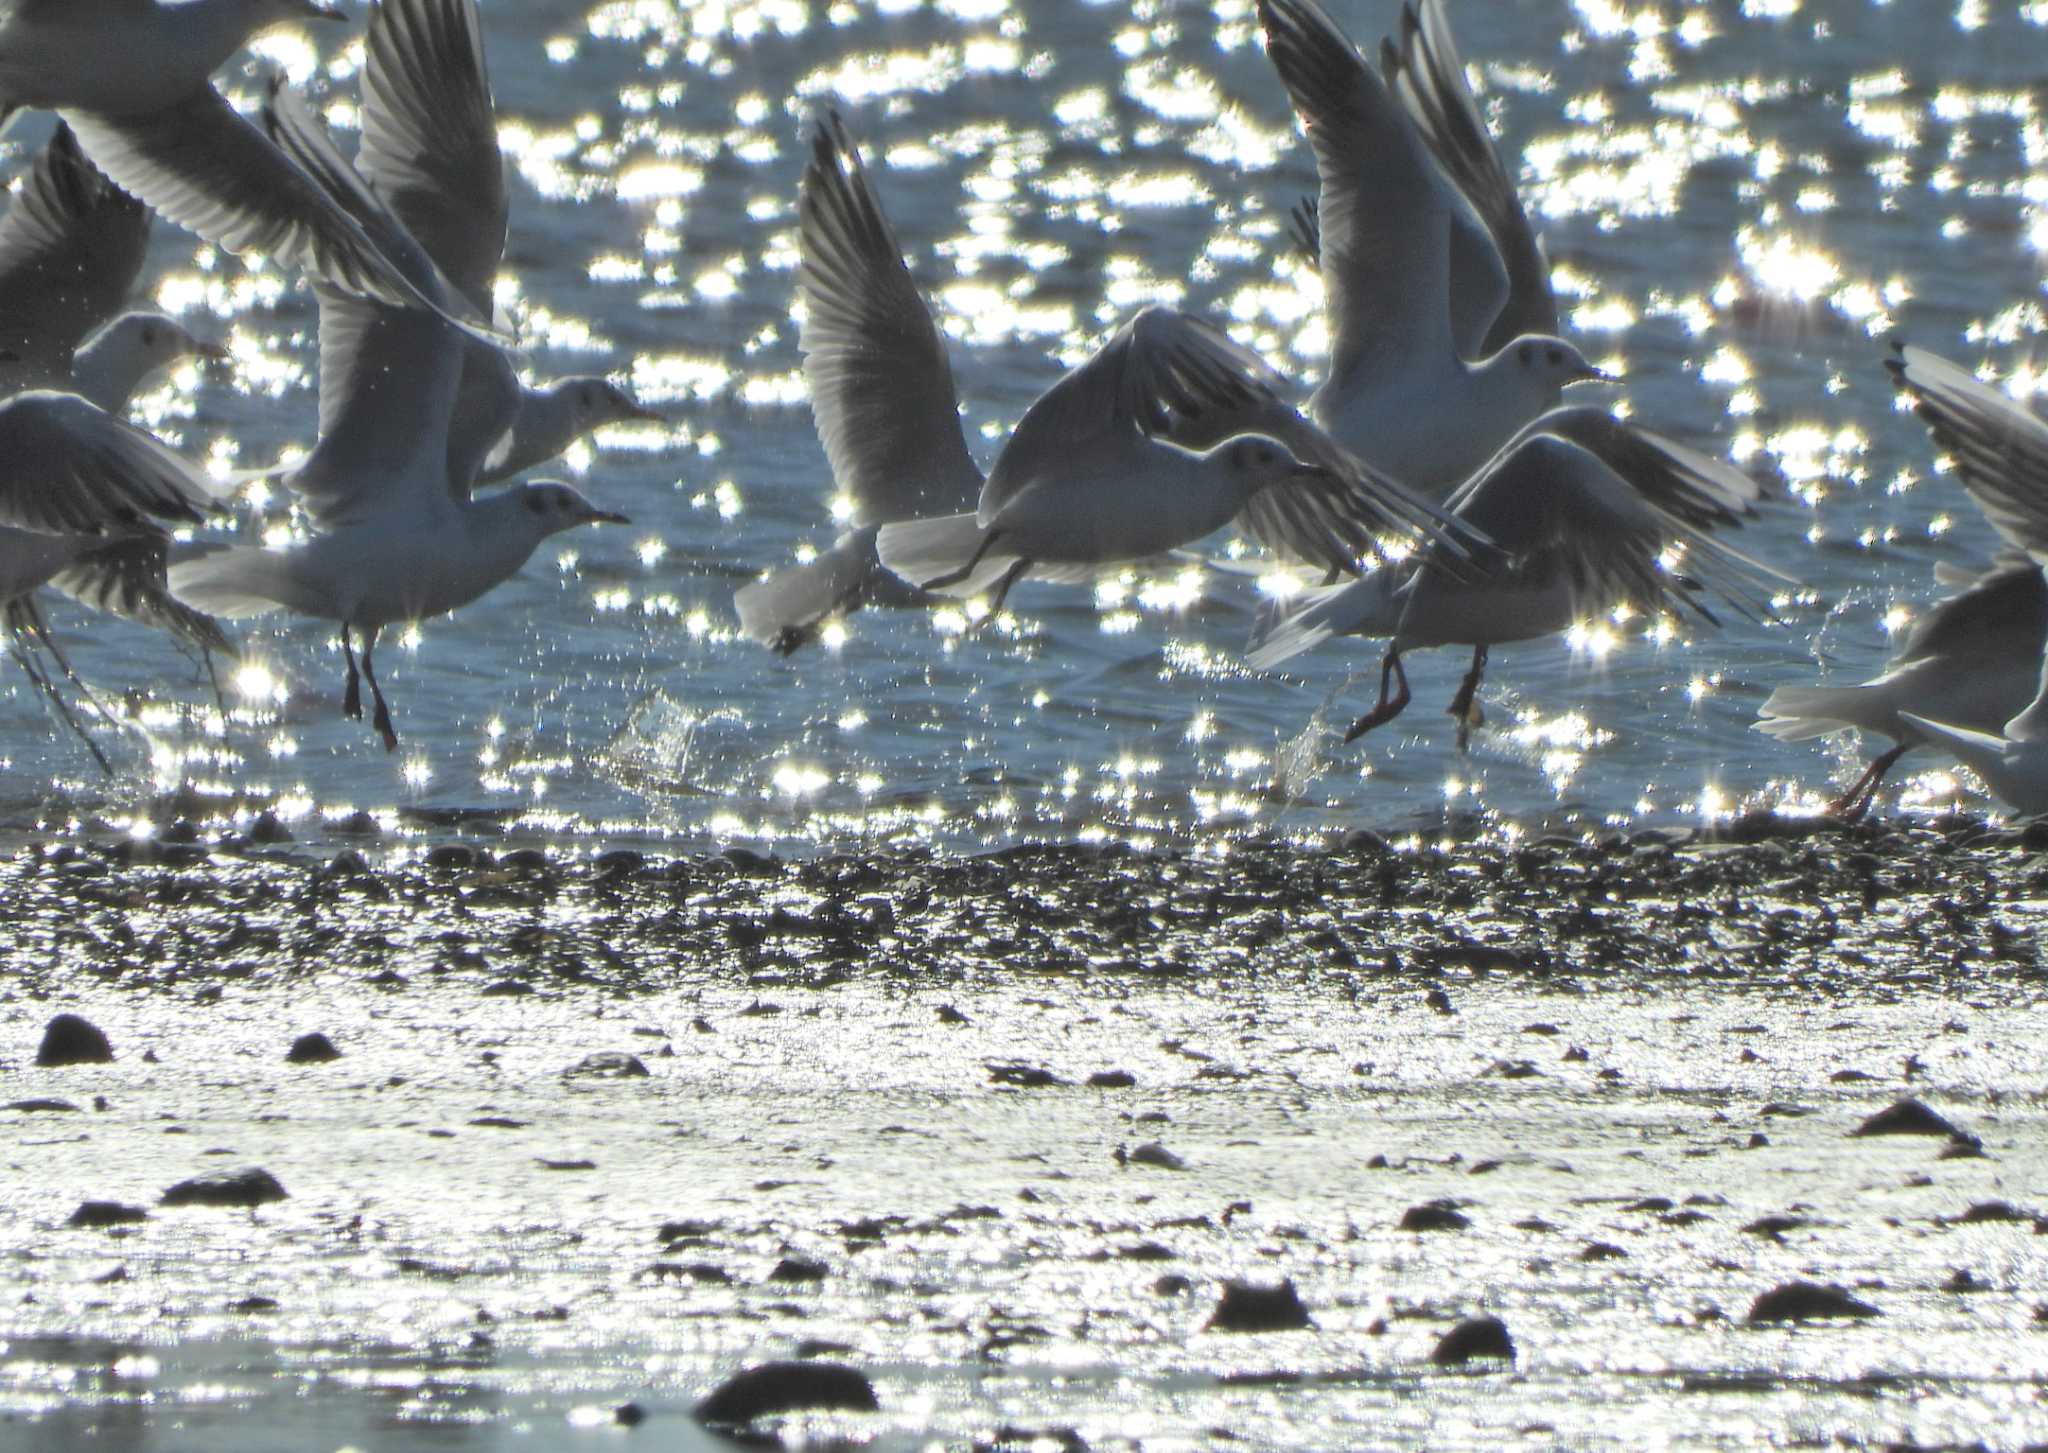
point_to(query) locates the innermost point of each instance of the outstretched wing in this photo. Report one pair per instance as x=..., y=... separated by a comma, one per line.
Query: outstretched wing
x=1999, y=446
x=881, y=387
x=68, y=467
x=125, y=577
x=71, y=246
x=1389, y=221
x=1426, y=72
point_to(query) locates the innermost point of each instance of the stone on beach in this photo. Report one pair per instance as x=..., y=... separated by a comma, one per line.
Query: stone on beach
x=1248, y=1307
x=250, y=1188
x=1474, y=1337
x=774, y=1388
x=1805, y=1301
x=71, y=1039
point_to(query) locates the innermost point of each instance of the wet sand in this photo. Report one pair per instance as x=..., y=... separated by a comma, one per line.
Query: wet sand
x=997, y=1131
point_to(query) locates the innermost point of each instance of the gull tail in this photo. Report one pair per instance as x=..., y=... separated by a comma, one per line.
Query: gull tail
x=923, y=551
x=234, y=581
x=785, y=610
x=1799, y=713
x=1284, y=629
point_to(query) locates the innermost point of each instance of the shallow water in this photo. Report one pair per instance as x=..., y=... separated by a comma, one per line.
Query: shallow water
x=1741, y=202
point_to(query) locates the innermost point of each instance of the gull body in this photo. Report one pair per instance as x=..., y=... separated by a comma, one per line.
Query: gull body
x=396, y=535
x=1582, y=511
x=1439, y=350
x=1971, y=663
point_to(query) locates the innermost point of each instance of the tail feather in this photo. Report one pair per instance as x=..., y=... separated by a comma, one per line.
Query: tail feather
x=1800, y=713
x=785, y=610
x=1286, y=628
x=241, y=580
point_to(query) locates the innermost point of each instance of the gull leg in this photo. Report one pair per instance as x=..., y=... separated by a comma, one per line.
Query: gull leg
x=1391, y=671
x=1010, y=577
x=381, y=718
x=1853, y=804
x=1465, y=705
x=954, y=577
x=352, y=697
x=44, y=684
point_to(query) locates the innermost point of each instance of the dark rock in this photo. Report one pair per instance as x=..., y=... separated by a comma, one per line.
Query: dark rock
x=1249, y=1308
x=1112, y=1080
x=43, y=1107
x=1157, y=1156
x=798, y=1269
x=610, y=1064
x=266, y=830
x=253, y=1306
x=249, y=1188
x=1774, y=1226
x=1805, y=1301
x=1907, y=1117
x=629, y=1415
x=506, y=989
x=1965, y=1280
x=785, y=1387
x=1962, y=1146
x=97, y=1215
x=1992, y=1211
x=311, y=1049
x=1474, y=1337
x=1602, y=1251
x=1173, y=1284
x=1434, y=1216
x=1023, y=1076
x=71, y=1039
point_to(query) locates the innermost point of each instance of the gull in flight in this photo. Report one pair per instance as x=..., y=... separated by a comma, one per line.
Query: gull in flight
x=1967, y=678
x=134, y=80
x=71, y=247
x=1586, y=514
x=84, y=501
x=1443, y=330
x=396, y=534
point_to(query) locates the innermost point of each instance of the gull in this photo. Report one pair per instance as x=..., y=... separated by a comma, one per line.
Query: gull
x=882, y=400
x=1584, y=512
x=84, y=501
x=1966, y=677
x=71, y=247
x=395, y=532
x=430, y=151
x=1442, y=329
x=133, y=79
x=1088, y=478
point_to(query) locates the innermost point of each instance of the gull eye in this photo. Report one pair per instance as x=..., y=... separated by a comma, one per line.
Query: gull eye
x=1556, y=356
x=149, y=335
x=1524, y=354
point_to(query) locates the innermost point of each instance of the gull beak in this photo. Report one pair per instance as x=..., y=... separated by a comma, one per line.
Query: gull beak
x=646, y=415
x=1590, y=374
x=608, y=517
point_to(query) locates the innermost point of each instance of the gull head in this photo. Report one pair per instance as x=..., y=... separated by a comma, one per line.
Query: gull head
x=1554, y=362
x=154, y=340
x=1255, y=461
x=594, y=402
x=550, y=507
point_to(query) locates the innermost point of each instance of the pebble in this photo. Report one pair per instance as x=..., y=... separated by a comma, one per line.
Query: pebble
x=608, y=1064
x=311, y=1049
x=785, y=1387
x=251, y=1188
x=1474, y=1337
x=1907, y=1117
x=98, y=1215
x=71, y=1039
x=1247, y=1307
x=1805, y=1301
x=1434, y=1216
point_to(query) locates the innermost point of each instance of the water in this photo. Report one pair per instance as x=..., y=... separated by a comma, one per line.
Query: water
x=1741, y=203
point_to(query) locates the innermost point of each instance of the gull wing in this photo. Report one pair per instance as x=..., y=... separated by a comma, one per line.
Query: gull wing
x=208, y=169
x=882, y=393
x=430, y=138
x=388, y=376
x=1704, y=492
x=1426, y=72
x=125, y=577
x=1393, y=231
x=2001, y=611
x=2000, y=447
x=1168, y=375
x=1556, y=511
x=71, y=246
x=68, y=467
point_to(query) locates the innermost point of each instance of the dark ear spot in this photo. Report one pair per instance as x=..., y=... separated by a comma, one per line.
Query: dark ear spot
x=149, y=335
x=535, y=501
x=1525, y=353
x=1556, y=356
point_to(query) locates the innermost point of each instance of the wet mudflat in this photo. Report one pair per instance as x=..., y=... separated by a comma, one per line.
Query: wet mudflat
x=1000, y=1134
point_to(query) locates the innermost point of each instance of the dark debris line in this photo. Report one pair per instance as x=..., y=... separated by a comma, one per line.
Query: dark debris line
x=1810, y=911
